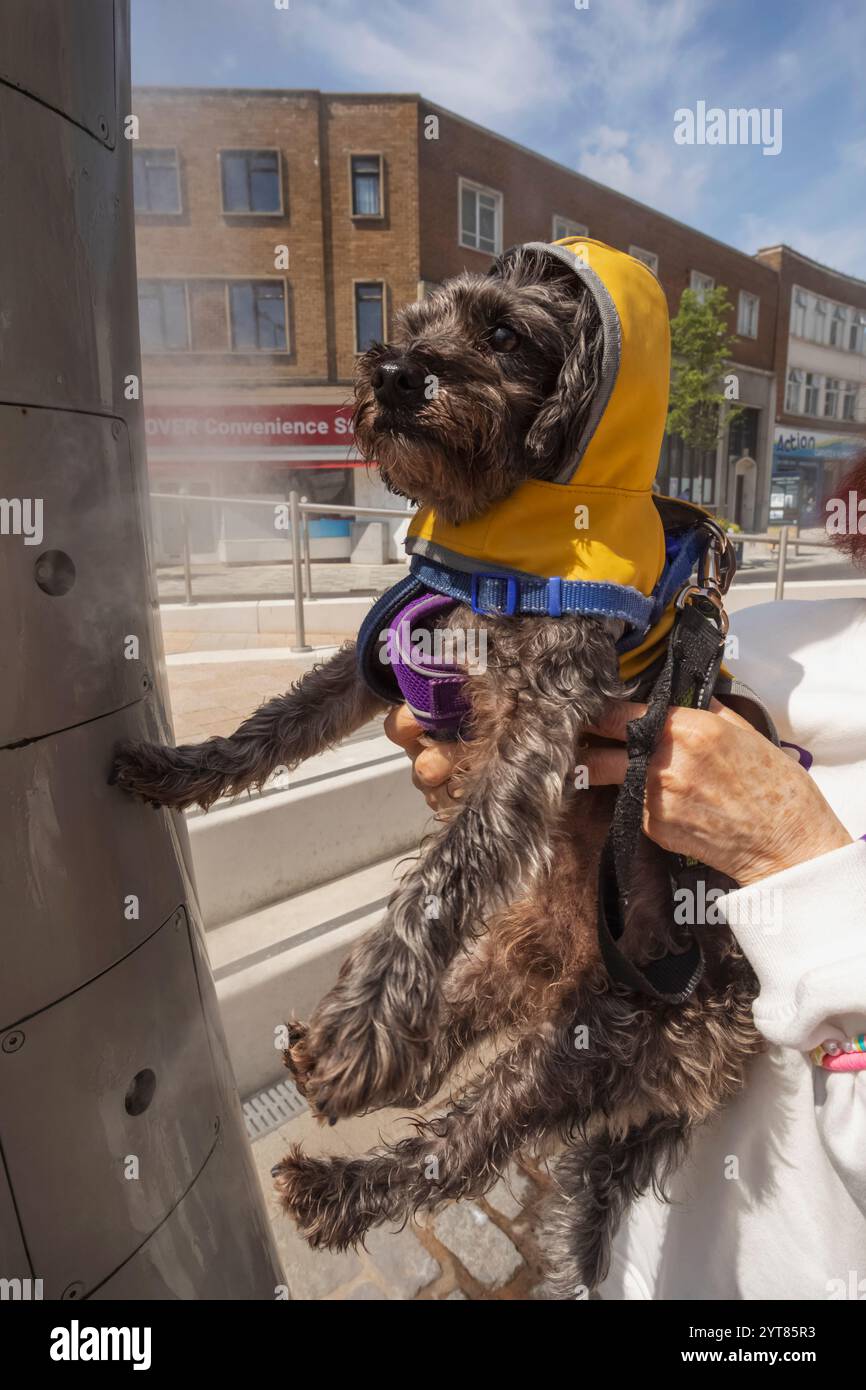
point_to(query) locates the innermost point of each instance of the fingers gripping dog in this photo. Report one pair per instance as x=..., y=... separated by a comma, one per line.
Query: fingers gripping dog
x=525, y=411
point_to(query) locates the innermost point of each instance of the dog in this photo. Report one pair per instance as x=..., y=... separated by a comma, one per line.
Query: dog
x=489, y=383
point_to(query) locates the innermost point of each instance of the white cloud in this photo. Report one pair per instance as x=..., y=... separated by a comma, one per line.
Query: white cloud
x=653, y=171
x=486, y=59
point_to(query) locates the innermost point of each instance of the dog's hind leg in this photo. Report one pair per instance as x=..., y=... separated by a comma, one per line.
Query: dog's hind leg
x=371, y=1036
x=325, y=705
x=458, y=1154
x=598, y=1180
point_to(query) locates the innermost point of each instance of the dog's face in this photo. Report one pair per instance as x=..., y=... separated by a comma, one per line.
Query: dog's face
x=488, y=382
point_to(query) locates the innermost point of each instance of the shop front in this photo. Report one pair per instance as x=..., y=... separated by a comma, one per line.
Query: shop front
x=240, y=455
x=807, y=468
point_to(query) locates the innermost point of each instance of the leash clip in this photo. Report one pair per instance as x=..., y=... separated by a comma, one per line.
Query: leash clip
x=716, y=569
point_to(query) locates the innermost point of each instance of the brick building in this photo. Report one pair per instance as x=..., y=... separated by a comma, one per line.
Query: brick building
x=278, y=232
x=820, y=381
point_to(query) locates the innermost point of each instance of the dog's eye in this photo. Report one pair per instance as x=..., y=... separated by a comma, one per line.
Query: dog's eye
x=504, y=339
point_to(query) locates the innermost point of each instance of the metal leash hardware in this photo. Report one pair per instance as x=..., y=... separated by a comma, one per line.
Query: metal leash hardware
x=716, y=569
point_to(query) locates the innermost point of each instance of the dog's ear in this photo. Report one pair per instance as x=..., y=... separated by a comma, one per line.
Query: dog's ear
x=557, y=430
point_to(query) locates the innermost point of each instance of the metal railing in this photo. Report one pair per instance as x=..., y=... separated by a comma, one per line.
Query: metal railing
x=782, y=538
x=300, y=510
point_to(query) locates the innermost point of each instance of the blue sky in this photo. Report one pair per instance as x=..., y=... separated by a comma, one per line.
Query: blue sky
x=595, y=89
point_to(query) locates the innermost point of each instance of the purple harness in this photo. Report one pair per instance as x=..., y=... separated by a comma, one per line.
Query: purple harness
x=432, y=689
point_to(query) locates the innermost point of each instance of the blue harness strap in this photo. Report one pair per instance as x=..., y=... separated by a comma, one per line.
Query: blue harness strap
x=508, y=595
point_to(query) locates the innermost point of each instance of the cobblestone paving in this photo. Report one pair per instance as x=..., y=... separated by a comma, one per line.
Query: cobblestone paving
x=474, y=1251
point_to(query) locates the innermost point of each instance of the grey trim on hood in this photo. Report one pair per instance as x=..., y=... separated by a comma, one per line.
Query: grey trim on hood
x=610, y=353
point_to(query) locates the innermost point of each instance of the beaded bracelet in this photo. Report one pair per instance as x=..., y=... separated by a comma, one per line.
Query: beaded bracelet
x=848, y=1055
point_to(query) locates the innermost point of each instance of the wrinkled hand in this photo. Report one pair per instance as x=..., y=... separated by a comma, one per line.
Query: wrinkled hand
x=716, y=788
x=435, y=765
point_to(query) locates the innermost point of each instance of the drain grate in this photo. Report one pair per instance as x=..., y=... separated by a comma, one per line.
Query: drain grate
x=272, y=1108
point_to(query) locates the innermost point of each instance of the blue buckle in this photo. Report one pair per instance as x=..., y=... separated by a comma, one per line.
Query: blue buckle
x=512, y=594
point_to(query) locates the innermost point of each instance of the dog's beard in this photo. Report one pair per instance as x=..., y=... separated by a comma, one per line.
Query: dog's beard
x=463, y=451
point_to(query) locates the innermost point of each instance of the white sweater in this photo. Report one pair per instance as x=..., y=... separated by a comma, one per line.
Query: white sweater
x=772, y=1200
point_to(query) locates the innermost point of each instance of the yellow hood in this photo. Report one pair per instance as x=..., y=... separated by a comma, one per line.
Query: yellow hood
x=598, y=522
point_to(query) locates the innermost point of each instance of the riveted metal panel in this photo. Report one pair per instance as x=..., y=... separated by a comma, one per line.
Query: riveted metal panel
x=39, y=56
x=68, y=621
x=71, y=1151
x=183, y=1259
x=69, y=320
x=63, y=813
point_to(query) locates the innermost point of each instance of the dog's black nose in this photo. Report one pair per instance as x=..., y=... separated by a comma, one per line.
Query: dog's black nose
x=399, y=382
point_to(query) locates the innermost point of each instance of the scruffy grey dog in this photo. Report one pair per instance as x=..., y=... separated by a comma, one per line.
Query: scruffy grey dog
x=511, y=949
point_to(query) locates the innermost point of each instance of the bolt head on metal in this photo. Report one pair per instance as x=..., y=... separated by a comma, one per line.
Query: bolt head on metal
x=14, y=1041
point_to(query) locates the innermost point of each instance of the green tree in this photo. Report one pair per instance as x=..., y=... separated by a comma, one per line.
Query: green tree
x=701, y=348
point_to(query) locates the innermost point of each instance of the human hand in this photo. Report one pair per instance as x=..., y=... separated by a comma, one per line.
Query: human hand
x=721, y=792
x=435, y=765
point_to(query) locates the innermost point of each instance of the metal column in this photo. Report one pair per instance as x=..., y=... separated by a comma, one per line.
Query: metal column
x=124, y=1166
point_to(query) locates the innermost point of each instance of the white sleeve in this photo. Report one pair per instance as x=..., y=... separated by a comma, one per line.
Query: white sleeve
x=804, y=933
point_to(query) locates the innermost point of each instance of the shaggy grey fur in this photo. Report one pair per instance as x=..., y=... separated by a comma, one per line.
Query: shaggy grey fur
x=491, y=932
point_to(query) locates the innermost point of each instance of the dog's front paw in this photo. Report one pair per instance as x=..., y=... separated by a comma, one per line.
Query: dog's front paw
x=162, y=776
x=320, y=1196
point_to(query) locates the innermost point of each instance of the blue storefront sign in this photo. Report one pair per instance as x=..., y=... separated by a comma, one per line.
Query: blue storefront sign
x=806, y=465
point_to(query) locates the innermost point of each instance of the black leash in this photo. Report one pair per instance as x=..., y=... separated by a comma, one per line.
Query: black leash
x=688, y=677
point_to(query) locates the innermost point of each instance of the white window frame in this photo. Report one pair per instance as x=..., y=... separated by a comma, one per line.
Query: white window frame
x=469, y=185
x=816, y=386
x=857, y=331
x=234, y=212
x=571, y=228
x=850, y=392
x=799, y=311
x=701, y=284
x=832, y=389
x=795, y=381
x=747, y=304
x=150, y=212
x=841, y=315
x=649, y=258
x=820, y=319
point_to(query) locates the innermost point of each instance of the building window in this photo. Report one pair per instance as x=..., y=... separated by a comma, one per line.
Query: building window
x=251, y=181
x=563, y=227
x=813, y=392
x=831, y=397
x=162, y=314
x=743, y=434
x=369, y=314
x=701, y=284
x=367, y=200
x=257, y=311
x=849, y=401
x=819, y=322
x=156, y=181
x=856, y=338
x=839, y=326
x=747, y=314
x=799, y=305
x=648, y=257
x=480, y=218
x=686, y=472
x=794, y=392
